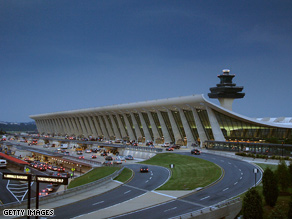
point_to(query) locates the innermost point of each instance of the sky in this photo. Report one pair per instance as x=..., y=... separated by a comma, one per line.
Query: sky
x=61, y=55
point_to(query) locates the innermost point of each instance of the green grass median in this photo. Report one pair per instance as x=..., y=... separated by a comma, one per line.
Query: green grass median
x=93, y=175
x=188, y=173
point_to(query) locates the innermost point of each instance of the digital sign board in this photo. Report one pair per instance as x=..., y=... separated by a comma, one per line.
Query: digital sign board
x=17, y=176
x=52, y=179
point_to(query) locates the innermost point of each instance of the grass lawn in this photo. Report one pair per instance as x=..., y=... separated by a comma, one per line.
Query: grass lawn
x=93, y=175
x=264, y=166
x=188, y=173
x=125, y=175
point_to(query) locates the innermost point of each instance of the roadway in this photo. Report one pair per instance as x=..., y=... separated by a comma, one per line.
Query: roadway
x=238, y=177
x=140, y=184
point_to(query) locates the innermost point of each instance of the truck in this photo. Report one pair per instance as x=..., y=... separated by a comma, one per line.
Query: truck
x=3, y=163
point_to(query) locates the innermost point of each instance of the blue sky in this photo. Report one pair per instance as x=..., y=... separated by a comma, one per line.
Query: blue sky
x=66, y=55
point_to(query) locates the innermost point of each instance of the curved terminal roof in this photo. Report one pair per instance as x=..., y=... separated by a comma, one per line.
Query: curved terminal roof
x=187, y=102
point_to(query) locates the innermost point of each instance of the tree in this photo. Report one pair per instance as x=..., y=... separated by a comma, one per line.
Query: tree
x=290, y=209
x=283, y=175
x=270, y=187
x=252, y=205
x=290, y=173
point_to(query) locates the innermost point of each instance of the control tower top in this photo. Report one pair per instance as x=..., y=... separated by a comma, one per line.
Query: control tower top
x=226, y=91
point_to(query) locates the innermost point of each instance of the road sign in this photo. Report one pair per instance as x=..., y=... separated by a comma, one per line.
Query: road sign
x=73, y=169
x=17, y=176
x=52, y=179
x=27, y=170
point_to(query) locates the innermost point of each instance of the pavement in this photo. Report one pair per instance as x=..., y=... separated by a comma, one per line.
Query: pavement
x=143, y=201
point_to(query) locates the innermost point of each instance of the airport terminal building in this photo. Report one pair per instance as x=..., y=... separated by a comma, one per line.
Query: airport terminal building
x=189, y=120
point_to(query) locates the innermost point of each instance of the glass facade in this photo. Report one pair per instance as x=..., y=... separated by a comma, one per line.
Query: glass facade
x=203, y=115
x=147, y=121
x=236, y=129
x=157, y=123
x=191, y=121
x=179, y=124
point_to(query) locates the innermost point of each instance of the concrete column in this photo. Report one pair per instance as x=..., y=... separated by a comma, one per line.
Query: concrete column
x=187, y=128
x=99, y=131
x=53, y=125
x=136, y=126
x=217, y=133
x=87, y=125
x=94, y=132
x=174, y=127
x=73, y=125
x=76, y=127
x=200, y=128
x=104, y=131
x=145, y=128
x=153, y=126
x=59, y=125
x=80, y=131
x=122, y=128
x=116, y=130
x=109, y=128
x=46, y=125
x=68, y=128
x=38, y=125
x=129, y=128
x=167, y=138
x=83, y=125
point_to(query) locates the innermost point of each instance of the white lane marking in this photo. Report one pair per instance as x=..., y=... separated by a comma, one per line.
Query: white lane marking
x=127, y=191
x=164, y=194
x=205, y=198
x=225, y=189
x=240, y=178
x=229, y=163
x=235, y=183
x=170, y=209
x=222, y=160
x=147, y=181
x=240, y=170
x=151, y=173
x=98, y=203
x=241, y=173
x=150, y=178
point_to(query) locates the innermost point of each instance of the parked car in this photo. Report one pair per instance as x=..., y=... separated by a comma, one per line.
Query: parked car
x=103, y=154
x=169, y=149
x=195, y=152
x=108, y=158
x=107, y=163
x=176, y=146
x=79, y=152
x=95, y=150
x=117, y=161
x=144, y=169
x=129, y=157
x=122, y=158
x=165, y=145
x=93, y=156
x=88, y=151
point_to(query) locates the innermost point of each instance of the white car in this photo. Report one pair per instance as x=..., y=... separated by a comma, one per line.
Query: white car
x=165, y=145
x=88, y=151
x=117, y=161
x=122, y=158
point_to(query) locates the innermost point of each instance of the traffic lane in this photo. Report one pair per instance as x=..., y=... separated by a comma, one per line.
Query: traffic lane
x=221, y=191
x=136, y=187
x=165, y=210
x=108, y=199
x=148, y=180
x=238, y=177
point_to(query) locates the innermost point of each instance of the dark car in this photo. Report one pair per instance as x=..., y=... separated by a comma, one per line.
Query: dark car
x=103, y=154
x=93, y=156
x=129, y=157
x=195, y=152
x=61, y=169
x=176, y=146
x=108, y=158
x=50, y=188
x=144, y=169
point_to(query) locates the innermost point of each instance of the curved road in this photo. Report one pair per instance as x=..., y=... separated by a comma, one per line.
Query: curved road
x=140, y=184
x=238, y=177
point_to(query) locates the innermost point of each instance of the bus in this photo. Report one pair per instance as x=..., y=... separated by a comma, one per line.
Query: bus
x=3, y=163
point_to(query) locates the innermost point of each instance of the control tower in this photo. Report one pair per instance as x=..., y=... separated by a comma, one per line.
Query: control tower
x=226, y=91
